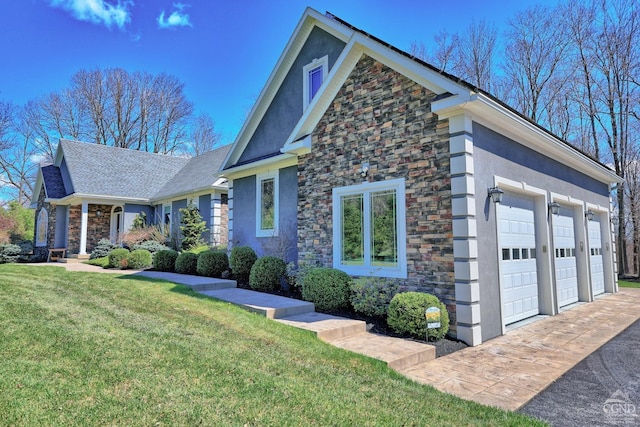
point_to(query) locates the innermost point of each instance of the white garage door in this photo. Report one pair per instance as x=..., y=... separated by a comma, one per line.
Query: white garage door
x=597, y=266
x=518, y=259
x=565, y=259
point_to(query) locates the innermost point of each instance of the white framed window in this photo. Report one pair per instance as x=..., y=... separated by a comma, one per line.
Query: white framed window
x=314, y=74
x=369, y=229
x=166, y=215
x=267, y=205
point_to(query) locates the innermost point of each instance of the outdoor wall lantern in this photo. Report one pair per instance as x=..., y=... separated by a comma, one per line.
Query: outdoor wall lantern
x=614, y=221
x=496, y=194
x=364, y=169
x=554, y=208
x=98, y=212
x=589, y=215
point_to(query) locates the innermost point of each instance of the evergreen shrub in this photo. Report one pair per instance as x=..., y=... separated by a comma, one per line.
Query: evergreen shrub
x=212, y=263
x=187, y=263
x=327, y=288
x=165, y=260
x=139, y=259
x=267, y=274
x=241, y=260
x=407, y=315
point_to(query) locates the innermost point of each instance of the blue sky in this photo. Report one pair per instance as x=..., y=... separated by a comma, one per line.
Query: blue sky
x=223, y=51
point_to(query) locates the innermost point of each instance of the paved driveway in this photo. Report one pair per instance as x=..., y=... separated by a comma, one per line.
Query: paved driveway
x=603, y=389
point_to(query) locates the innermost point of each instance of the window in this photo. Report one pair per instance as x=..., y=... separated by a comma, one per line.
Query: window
x=41, y=228
x=313, y=76
x=166, y=209
x=369, y=236
x=267, y=204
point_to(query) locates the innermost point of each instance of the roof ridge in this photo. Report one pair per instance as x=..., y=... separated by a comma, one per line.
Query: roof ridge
x=112, y=147
x=464, y=83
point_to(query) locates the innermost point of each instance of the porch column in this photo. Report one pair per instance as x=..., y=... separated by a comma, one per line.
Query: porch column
x=83, y=227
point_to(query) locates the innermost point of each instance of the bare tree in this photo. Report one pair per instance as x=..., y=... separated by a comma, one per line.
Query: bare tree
x=203, y=134
x=475, y=48
x=17, y=167
x=534, y=54
x=468, y=56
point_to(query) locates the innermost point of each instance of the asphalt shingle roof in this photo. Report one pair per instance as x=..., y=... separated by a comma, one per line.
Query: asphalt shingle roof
x=118, y=172
x=54, y=185
x=197, y=174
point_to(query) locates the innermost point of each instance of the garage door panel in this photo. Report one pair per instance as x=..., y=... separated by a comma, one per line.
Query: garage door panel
x=518, y=259
x=596, y=260
x=565, y=260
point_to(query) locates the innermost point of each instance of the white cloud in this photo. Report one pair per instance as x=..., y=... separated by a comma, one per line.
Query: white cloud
x=97, y=11
x=176, y=19
x=37, y=158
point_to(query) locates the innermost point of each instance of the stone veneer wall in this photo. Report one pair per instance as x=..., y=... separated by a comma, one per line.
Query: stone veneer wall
x=384, y=118
x=97, y=227
x=224, y=219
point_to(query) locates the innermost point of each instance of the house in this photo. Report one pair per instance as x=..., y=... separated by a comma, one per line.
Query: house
x=366, y=159
x=92, y=192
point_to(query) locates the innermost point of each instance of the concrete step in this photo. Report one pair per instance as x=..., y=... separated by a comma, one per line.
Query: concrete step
x=326, y=326
x=72, y=260
x=197, y=283
x=271, y=306
x=399, y=354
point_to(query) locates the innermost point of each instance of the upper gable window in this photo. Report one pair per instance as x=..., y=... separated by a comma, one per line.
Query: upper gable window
x=313, y=76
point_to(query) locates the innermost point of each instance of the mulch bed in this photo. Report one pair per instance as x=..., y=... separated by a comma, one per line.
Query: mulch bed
x=377, y=325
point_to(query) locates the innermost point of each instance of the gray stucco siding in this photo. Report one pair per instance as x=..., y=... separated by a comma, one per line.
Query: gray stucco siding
x=288, y=222
x=244, y=215
x=176, y=205
x=244, y=212
x=496, y=155
x=66, y=179
x=286, y=108
x=204, y=206
x=132, y=210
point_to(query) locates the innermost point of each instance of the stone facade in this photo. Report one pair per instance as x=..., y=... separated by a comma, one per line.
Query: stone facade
x=383, y=118
x=224, y=220
x=98, y=227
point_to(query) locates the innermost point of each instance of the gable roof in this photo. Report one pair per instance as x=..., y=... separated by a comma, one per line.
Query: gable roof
x=101, y=171
x=454, y=96
x=198, y=174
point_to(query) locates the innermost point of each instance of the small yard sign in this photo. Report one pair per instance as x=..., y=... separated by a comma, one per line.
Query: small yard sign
x=432, y=315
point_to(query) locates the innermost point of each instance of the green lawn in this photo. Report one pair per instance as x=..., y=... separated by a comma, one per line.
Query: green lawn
x=625, y=284
x=102, y=349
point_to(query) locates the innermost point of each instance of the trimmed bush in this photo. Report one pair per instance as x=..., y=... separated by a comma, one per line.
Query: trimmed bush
x=187, y=263
x=371, y=295
x=151, y=246
x=139, y=259
x=407, y=311
x=102, y=249
x=118, y=258
x=9, y=253
x=327, y=288
x=267, y=273
x=165, y=260
x=241, y=260
x=26, y=247
x=212, y=263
